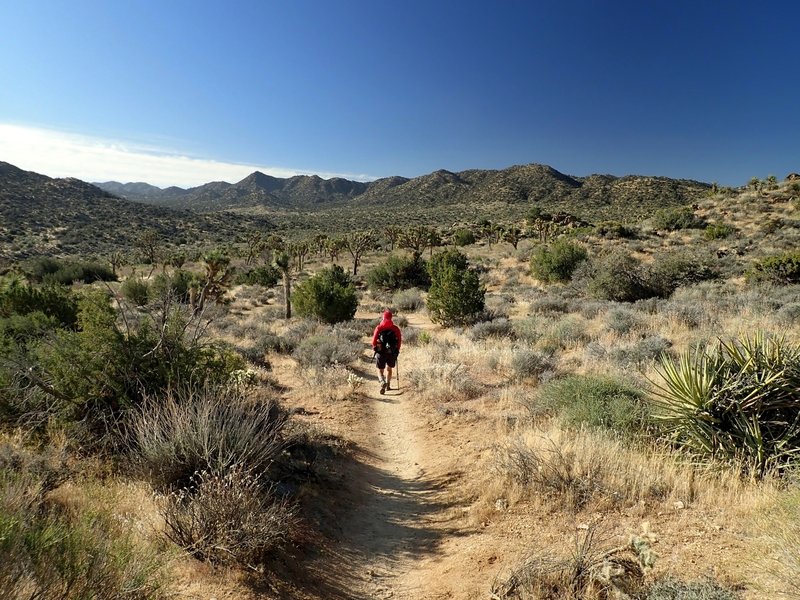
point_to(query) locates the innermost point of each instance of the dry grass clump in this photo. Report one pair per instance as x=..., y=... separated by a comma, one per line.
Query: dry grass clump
x=781, y=528
x=192, y=430
x=233, y=518
x=583, y=467
x=51, y=552
x=410, y=300
x=445, y=382
x=589, y=572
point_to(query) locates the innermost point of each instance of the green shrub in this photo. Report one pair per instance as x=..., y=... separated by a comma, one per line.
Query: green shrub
x=618, y=276
x=399, y=272
x=88, y=379
x=329, y=296
x=558, y=261
x=265, y=276
x=614, y=230
x=50, y=270
x=596, y=401
x=135, y=290
x=781, y=269
x=671, y=270
x=673, y=219
x=463, y=237
x=736, y=402
x=456, y=296
x=718, y=231
x=176, y=285
x=18, y=298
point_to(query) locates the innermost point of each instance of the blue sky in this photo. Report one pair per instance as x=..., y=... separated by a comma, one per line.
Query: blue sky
x=184, y=92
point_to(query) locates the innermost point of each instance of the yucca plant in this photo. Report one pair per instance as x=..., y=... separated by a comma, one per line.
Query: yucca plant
x=738, y=401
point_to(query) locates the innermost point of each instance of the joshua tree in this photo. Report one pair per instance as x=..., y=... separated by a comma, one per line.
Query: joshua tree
x=283, y=262
x=512, y=234
x=218, y=275
x=357, y=243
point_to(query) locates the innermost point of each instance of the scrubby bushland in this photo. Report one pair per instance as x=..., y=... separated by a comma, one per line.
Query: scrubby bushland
x=456, y=295
x=621, y=277
x=718, y=231
x=463, y=237
x=596, y=401
x=558, y=261
x=409, y=300
x=265, y=276
x=135, y=290
x=736, y=402
x=672, y=219
x=175, y=286
x=671, y=270
x=18, y=298
x=781, y=269
x=399, y=272
x=329, y=296
x=87, y=378
x=50, y=270
x=617, y=276
x=614, y=230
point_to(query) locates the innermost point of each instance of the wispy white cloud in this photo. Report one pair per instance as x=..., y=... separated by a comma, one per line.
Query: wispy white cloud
x=60, y=154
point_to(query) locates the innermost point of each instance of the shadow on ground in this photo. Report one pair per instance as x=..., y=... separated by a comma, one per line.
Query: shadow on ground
x=375, y=518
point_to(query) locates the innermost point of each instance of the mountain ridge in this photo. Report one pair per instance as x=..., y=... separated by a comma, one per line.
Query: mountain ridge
x=516, y=184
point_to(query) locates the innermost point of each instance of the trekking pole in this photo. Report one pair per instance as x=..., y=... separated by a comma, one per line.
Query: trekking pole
x=397, y=371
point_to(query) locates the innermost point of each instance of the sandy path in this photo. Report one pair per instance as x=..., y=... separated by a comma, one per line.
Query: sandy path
x=398, y=533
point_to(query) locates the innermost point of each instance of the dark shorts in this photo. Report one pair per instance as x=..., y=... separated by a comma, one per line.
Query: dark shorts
x=386, y=359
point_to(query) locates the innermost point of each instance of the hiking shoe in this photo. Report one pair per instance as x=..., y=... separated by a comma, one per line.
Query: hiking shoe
x=388, y=385
x=383, y=387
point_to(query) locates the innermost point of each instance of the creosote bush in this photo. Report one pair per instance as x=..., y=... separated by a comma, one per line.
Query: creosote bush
x=781, y=269
x=456, y=296
x=399, y=272
x=557, y=262
x=329, y=296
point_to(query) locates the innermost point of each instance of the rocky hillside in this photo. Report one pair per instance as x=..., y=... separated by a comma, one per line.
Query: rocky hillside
x=590, y=197
x=44, y=216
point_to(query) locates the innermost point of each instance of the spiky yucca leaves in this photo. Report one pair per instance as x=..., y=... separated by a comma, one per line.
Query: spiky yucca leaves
x=738, y=401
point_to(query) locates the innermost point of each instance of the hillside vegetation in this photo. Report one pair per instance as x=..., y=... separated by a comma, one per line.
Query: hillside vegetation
x=589, y=407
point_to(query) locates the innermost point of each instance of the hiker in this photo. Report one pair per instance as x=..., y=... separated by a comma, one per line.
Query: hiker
x=386, y=341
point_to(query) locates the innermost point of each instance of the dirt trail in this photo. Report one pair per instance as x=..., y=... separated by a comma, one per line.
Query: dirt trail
x=397, y=538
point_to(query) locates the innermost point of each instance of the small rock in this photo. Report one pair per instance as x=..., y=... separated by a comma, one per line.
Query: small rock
x=679, y=505
x=583, y=527
x=501, y=504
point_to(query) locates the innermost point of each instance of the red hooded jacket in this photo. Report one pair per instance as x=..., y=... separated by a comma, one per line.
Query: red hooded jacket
x=386, y=323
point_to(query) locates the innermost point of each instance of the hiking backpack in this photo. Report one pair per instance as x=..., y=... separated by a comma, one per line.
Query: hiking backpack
x=388, y=340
